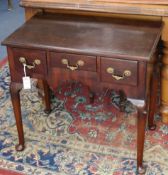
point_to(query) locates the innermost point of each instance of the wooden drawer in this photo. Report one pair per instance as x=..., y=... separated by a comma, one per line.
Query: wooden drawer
x=30, y=56
x=72, y=61
x=119, y=71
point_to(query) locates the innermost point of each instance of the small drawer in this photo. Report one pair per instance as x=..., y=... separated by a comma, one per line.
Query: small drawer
x=72, y=62
x=120, y=71
x=34, y=59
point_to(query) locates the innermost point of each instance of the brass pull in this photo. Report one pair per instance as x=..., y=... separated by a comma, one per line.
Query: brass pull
x=78, y=64
x=35, y=62
x=126, y=73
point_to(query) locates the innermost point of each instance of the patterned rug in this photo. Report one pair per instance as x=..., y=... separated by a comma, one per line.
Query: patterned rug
x=77, y=137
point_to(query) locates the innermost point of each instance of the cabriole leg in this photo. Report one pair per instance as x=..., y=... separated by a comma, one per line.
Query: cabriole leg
x=15, y=97
x=141, y=123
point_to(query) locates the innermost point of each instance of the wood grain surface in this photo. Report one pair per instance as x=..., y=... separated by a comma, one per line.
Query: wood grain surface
x=159, y=2
x=145, y=7
x=89, y=35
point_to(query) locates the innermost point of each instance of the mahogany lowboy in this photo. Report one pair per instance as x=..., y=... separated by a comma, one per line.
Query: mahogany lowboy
x=100, y=52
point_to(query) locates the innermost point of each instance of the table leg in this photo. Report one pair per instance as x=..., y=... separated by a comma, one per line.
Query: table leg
x=15, y=97
x=10, y=5
x=46, y=96
x=153, y=96
x=141, y=124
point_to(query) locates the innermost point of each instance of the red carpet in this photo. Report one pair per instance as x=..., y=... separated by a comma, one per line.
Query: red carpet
x=76, y=137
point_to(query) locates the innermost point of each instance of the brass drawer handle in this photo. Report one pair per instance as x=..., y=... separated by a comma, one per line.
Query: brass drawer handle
x=78, y=64
x=35, y=62
x=126, y=73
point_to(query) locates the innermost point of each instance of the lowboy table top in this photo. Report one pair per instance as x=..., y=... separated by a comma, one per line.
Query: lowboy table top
x=89, y=35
